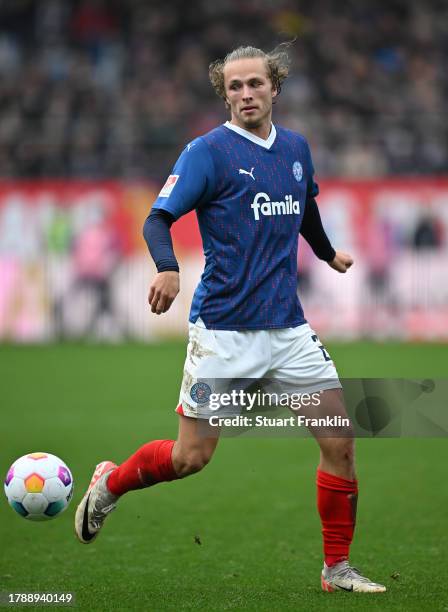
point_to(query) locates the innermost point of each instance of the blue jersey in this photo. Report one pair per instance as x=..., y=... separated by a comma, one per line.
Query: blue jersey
x=249, y=195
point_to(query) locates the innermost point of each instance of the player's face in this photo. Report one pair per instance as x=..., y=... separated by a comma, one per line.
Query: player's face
x=249, y=94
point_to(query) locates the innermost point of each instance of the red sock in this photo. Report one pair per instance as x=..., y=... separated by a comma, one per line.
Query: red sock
x=148, y=466
x=336, y=502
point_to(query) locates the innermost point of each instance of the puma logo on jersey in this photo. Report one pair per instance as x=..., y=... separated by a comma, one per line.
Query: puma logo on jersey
x=242, y=171
x=262, y=204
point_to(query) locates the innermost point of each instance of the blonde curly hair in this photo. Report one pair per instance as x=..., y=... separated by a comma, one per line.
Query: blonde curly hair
x=277, y=63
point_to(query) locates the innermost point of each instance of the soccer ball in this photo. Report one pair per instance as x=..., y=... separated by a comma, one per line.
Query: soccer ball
x=39, y=486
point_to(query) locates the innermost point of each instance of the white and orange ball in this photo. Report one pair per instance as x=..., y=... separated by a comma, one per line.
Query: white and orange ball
x=39, y=486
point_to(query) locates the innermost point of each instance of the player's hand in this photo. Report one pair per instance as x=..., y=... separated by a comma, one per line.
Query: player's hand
x=163, y=291
x=341, y=262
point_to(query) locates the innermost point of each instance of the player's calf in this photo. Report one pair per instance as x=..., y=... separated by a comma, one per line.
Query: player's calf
x=190, y=461
x=150, y=464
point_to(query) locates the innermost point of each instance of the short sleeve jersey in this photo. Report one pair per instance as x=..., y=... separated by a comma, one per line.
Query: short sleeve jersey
x=249, y=195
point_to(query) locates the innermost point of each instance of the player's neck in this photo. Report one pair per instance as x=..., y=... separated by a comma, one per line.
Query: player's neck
x=261, y=131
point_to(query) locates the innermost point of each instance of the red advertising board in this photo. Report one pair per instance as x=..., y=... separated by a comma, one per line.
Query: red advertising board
x=52, y=232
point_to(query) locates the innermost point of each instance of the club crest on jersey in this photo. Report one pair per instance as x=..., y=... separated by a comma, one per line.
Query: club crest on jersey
x=262, y=205
x=297, y=170
x=169, y=185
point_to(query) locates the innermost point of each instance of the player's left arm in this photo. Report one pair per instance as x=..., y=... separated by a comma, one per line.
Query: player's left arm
x=341, y=262
x=313, y=230
x=314, y=233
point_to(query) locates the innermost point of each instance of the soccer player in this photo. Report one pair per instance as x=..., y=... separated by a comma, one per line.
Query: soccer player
x=251, y=184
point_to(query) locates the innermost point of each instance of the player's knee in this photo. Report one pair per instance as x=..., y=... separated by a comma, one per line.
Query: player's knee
x=191, y=462
x=341, y=450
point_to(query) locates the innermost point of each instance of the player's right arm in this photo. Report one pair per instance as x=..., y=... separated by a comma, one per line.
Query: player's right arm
x=189, y=186
x=163, y=291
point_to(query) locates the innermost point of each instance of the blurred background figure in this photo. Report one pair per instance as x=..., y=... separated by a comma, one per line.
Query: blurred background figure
x=428, y=233
x=89, y=302
x=110, y=92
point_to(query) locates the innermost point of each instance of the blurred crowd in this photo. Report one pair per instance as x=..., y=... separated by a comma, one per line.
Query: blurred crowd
x=97, y=88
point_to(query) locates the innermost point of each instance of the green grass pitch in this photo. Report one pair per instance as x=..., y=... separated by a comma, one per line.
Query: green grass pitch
x=252, y=509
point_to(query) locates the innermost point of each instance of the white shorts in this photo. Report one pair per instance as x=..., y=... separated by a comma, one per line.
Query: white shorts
x=292, y=356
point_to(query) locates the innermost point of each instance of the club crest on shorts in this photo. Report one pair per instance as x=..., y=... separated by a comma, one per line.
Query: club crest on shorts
x=200, y=393
x=297, y=170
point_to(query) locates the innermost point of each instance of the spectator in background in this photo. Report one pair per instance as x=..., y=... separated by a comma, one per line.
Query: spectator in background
x=95, y=89
x=95, y=260
x=428, y=233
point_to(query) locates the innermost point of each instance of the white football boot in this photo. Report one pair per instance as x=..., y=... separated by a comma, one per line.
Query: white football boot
x=344, y=577
x=96, y=504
